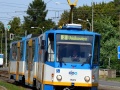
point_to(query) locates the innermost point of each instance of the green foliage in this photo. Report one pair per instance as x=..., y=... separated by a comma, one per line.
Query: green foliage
x=1, y=26
x=16, y=27
x=64, y=18
x=106, y=22
x=113, y=79
x=36, y=18
x=10, y=86
x=2, y=37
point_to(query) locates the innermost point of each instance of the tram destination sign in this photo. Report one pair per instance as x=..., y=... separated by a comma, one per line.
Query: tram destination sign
x=73, y=38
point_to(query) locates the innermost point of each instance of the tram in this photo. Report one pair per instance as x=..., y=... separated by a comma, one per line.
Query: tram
x=1, y=60
x=47, y=61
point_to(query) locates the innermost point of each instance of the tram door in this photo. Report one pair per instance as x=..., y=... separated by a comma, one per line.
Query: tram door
x=18, y=60
x=29, y=61
x=40, y=64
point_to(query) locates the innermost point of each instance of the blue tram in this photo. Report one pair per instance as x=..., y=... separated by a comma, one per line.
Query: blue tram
x=62, y=59
x=1, y=59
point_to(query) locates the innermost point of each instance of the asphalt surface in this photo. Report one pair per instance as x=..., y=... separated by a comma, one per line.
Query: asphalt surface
x=109, y=83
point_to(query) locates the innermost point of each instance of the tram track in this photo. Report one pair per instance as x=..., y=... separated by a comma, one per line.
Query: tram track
x=4, y=76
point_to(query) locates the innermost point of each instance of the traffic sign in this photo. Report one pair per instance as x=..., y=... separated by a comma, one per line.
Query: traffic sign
x=8, y=27
x=118, y=52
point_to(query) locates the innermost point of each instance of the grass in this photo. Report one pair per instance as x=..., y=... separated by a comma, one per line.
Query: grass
x=110, y=79
x=113, y=79
x=10, y=86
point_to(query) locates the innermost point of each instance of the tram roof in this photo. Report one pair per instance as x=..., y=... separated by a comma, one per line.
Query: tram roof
x=72, y=31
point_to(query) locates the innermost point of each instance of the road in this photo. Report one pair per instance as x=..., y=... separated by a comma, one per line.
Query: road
x=109, y=85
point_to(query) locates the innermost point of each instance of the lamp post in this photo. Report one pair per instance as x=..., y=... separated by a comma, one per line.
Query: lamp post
x=86, y=21
x=38, y=28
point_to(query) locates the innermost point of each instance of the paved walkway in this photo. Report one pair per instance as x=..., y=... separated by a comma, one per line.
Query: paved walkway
x=104, y=87
x=2, y=88
x=109, y=85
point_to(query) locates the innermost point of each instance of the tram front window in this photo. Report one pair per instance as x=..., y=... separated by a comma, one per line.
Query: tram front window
x=74, y=49
x=73, y=53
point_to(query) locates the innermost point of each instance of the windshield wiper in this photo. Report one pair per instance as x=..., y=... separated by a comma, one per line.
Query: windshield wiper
x=61, y=61
x=87, y=61
x=83, y=63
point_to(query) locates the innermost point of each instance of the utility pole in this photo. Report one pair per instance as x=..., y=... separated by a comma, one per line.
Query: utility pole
x=1, y=40
x=109, y=62
x=25, y=33
x=6, y=47
x=92, y=15
x=7, y=29
x=119, y=21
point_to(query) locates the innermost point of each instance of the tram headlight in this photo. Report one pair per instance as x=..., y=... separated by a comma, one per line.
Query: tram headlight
x=59, y=77
x=87, y=78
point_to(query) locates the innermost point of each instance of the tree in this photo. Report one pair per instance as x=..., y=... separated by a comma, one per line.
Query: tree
x=109, y=41
x=106, y=22
x=2, y=39
x=1, y=25
x=117, y=3
x=81, y=13
x=64, y=18
x=16, y=27
x=36, y=17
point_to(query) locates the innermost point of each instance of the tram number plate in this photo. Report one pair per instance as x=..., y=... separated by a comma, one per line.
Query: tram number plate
x=72, y=79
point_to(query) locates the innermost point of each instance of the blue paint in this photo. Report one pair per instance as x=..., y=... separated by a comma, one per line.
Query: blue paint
x=72, y=73
x=57, y=70
x=94, y=88
x=24, y=51
x=60, y=65
x=118, y=52
x=48, y=87
x=68, y=65
x=84, y=32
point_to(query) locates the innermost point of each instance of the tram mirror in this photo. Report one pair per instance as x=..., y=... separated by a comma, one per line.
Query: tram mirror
x=43, y=44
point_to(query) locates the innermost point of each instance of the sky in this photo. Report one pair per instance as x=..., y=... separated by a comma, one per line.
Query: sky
x=16, y=8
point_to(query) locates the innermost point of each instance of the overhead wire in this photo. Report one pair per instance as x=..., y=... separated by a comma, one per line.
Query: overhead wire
x=11, y=6
x=13, y=3
x=48, y=1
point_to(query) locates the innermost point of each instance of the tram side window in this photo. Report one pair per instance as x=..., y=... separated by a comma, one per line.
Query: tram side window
x=21, y=50
x=30, y=55
x=14, y=52
x=51, y=47
x=33, y=51
x=96, y=50
x=27, y=54
x=40, y=50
